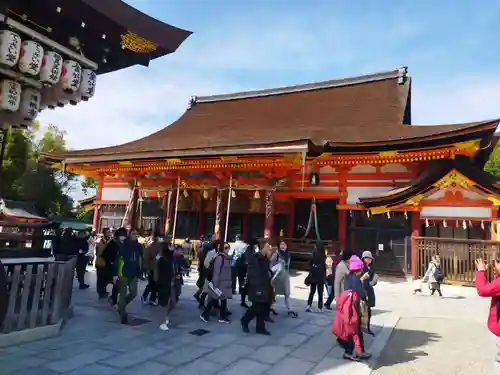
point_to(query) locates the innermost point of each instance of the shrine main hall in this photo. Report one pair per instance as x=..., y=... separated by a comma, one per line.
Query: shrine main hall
x=338, y=160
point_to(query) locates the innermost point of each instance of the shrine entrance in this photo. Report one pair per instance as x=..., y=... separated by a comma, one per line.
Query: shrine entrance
x=387, y=237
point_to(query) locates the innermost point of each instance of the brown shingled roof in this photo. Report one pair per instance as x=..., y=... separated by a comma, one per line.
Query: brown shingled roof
x=367, y=109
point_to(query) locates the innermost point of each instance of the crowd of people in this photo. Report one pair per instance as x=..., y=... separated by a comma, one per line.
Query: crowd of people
x=255, y=270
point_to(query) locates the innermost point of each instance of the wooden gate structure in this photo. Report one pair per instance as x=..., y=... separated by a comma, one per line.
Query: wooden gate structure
x=457, y=257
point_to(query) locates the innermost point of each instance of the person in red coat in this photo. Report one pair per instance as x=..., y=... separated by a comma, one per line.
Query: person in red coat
x=492, y=289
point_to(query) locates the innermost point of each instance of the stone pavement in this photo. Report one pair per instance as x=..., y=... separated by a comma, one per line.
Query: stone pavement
x=94, y=343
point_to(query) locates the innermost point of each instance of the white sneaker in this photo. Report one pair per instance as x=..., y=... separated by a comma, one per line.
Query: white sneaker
x=164, y=326
x=308, y=308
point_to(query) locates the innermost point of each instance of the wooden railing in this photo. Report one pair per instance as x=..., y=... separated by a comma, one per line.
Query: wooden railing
x=457, y=256
x=39, y=294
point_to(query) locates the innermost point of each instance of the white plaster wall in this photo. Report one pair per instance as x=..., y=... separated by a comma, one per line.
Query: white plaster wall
x=393, y=168
x=457, y=212
x=327, y=169
x=116, y=193
x=354, y=193
x=363, y=169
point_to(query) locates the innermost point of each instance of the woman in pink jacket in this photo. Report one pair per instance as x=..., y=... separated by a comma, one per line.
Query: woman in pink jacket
x=492, y=289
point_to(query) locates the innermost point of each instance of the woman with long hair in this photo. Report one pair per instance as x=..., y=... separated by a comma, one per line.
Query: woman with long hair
x=317, y=276
x=280, y=262
x=491, y=290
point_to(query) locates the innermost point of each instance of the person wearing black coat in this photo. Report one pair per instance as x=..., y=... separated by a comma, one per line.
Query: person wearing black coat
x=82, y=247
x=110, y=254
x=164, y=277
x=259, y=287
x=317, y=276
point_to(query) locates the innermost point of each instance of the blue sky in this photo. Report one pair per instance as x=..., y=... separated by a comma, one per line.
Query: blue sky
x=452, y=50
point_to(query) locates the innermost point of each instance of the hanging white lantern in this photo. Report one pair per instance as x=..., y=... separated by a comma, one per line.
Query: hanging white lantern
x=30, y=104
x=388, y=215
x=368, y=213
x=87, y=87
x=10, y=48
x=52, y=66
x=464, y=225
x=205, y=194
x=233, y=194
x=256, y=195
x=185, y=193
x=427, y=223
x=445, y=224
x=30, y=58
x=10, y=95
x=71, y=76
x=406, y=215
x=482, y=225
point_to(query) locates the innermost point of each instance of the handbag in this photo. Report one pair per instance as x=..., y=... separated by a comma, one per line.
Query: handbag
x=307, y=280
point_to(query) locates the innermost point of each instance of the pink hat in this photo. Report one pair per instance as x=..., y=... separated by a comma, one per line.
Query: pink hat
x=355, y=264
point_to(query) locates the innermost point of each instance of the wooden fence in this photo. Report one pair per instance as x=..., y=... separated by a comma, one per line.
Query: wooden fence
x=39, y=294
x=457, y=256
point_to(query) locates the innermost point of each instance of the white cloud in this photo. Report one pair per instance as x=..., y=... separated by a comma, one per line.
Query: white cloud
x=260, y=49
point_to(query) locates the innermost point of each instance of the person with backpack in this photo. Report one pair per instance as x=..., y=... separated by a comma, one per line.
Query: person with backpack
x=491, y=290
x=219, y=286
x=163, y=274
x=434, y=275
x=351, y=313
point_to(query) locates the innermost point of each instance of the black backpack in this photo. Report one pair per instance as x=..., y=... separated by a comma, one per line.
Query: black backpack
x=438, y=274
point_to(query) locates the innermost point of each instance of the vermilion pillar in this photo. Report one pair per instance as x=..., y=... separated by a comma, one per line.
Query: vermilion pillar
x=416, y=225
x=342, y=228
x=97, y=207
x=218, y=214
x=201, y=216
x=168, y=210
x=291, y=218
x=132, y=214
x=269, y=209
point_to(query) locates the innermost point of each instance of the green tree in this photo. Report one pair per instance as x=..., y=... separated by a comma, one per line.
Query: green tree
x=27, y=178
x=88, y=183
x=492, y=166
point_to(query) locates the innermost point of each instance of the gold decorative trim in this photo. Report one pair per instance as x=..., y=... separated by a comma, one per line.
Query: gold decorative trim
x=454, y=179
x=468, y=146
x=136, y=43
x=379, y=210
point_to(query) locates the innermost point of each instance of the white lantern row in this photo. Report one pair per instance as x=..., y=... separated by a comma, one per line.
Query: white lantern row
x=48, y=65
x=13, y=98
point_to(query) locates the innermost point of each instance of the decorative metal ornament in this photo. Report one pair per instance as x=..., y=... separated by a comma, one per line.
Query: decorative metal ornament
x=482, y=224
x=314, y=179
x=464, y=225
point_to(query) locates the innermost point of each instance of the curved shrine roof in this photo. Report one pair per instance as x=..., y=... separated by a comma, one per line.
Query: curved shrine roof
x=367, y=110
x=424, y=184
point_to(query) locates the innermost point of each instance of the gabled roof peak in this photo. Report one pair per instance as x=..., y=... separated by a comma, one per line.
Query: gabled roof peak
x=401, y=74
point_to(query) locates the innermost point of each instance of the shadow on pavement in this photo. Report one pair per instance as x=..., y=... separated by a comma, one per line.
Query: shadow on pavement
x=405, y=346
